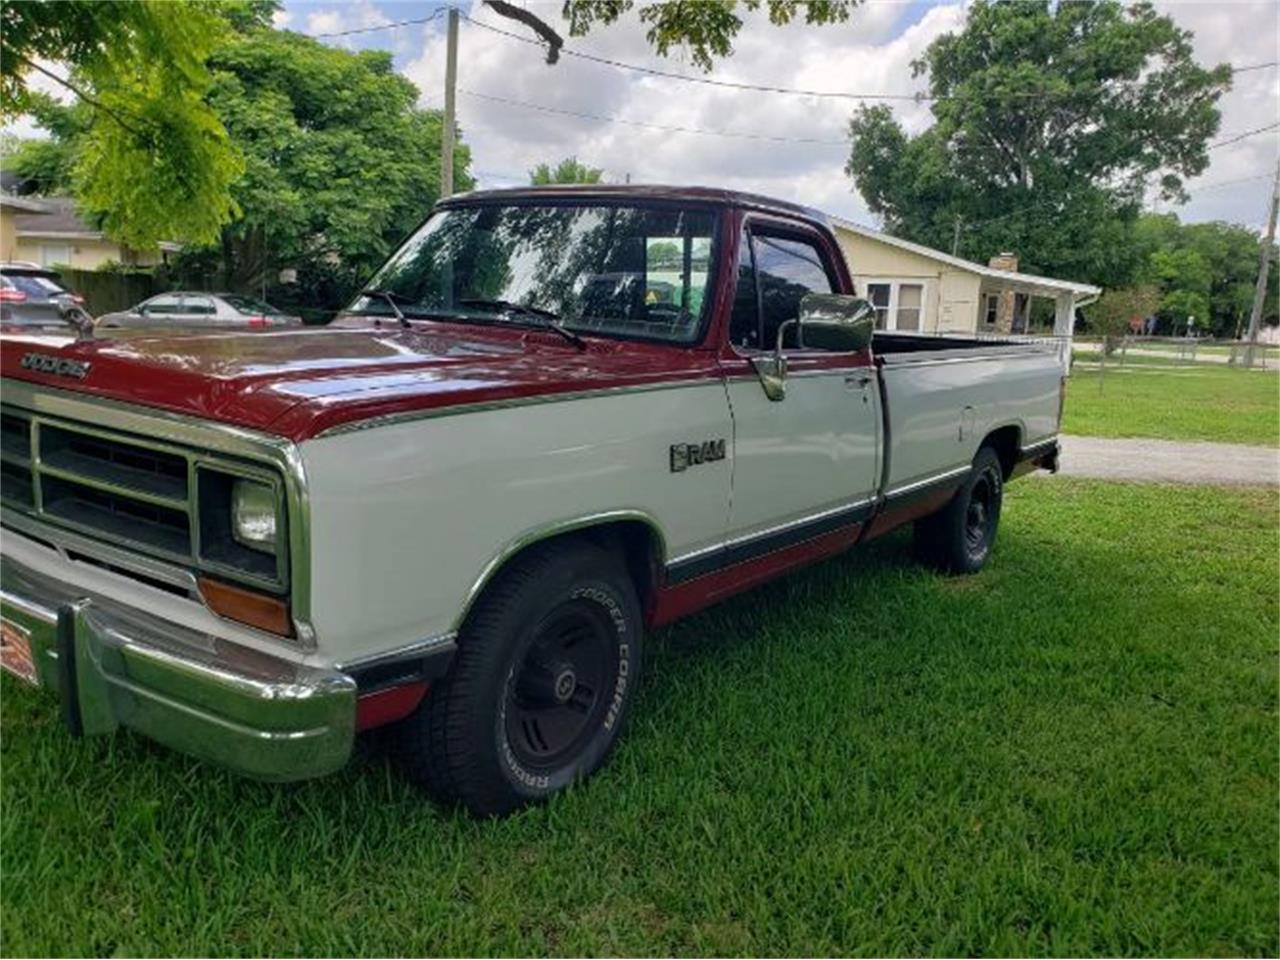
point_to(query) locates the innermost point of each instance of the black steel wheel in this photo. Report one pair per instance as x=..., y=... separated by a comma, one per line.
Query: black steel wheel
x=959, y=537
x=556, y=696
x=544, y=676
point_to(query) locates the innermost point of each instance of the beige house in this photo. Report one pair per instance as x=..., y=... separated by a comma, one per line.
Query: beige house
x=916, y=288
x=48, y=231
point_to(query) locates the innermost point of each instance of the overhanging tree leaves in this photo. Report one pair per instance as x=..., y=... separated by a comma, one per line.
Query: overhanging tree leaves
x=705, y=28
x=1051, y=121
x=154, y=162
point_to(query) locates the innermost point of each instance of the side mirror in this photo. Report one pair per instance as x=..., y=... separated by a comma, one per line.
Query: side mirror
x=827, y=321
x=836, y=322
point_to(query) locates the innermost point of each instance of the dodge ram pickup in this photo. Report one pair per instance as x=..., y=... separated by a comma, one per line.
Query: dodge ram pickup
x=555, y=419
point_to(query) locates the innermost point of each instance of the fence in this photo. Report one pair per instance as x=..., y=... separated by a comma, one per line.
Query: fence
x=108, y=291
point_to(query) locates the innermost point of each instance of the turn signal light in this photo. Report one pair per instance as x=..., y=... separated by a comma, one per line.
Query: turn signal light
x=247, y=606
x=8, y=295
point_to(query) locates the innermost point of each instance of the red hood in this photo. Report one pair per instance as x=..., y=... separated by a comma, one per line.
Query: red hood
x=297, y=383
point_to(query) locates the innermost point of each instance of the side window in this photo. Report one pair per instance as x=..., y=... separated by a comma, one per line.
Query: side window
x=161, y=306
x=744, y=322
x=197, y=306
x=786, y=270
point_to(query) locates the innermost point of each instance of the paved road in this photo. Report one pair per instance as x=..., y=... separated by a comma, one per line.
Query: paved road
x=1169, y=461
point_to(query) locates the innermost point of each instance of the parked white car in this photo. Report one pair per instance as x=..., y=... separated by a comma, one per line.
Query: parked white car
x=195, y=310
x=459, y=508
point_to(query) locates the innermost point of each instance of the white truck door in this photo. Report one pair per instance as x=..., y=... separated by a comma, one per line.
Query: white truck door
x=808, y=464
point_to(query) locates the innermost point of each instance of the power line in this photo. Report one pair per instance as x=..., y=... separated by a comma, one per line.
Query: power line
x=706, y=81
x=760, y=88
x=1242, y=136
x=381, y=26
x=736, y=134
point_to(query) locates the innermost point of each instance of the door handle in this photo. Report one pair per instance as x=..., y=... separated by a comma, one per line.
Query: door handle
x=857, y=380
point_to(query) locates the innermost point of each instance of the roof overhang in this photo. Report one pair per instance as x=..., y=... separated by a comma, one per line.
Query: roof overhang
x=61, y=234
x=1004, y=279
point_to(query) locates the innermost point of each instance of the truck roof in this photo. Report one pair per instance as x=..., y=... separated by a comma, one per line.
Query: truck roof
x=631, y=191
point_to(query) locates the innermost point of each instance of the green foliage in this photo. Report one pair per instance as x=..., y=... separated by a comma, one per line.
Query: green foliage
x=340, y=162
x=153, y=161
x=568, y=170
x=1205, y=270
x=1050, y=121
x=706, y=30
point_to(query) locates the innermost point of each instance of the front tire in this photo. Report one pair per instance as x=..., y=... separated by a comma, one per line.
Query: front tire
x=959, y=537
x=546, y=669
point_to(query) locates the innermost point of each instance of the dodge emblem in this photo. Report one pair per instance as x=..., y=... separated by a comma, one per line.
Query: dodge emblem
x=58, y=366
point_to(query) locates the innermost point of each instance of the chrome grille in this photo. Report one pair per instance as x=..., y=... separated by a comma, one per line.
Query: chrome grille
x=128, y=491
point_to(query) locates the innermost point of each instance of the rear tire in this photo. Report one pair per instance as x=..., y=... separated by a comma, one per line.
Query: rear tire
x=959, y=537
x=546, y=669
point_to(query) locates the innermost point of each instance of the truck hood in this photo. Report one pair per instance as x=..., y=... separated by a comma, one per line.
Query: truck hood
x=298, y=383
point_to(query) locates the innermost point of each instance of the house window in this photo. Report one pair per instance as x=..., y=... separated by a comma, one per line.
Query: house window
x=879, y=294
x=992, y=310
x=899, y=304
x=910, y=301
x=55, y=253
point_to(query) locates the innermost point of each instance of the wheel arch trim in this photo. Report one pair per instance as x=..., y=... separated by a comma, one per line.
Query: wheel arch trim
x=549, y=531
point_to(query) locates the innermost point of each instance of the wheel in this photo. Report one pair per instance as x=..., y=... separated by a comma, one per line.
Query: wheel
x=958, y=538
x=546, y=669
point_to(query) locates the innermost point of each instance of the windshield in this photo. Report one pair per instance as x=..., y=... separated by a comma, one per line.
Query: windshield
x=612, y=270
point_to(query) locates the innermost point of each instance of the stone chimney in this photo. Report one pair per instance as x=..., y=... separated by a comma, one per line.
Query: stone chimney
x=1004, y=311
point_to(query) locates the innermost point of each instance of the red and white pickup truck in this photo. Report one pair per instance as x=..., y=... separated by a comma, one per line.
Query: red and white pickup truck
x=557, y=418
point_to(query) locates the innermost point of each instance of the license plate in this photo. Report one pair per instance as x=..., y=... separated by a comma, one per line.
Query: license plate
x=15, y=652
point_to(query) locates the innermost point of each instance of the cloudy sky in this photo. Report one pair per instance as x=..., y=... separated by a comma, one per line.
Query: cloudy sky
x=871, y=53
x=787, y=146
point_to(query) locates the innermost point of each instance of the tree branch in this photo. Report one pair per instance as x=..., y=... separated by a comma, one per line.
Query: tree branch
x=552, y=39
x=92, y=101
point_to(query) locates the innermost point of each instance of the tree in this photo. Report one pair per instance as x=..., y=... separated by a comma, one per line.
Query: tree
x=568, y=170
x=154, y=162
x=1205, y=270
x=705, y=29
x=1051, y=122
x=340, y=162
x=1113, y=315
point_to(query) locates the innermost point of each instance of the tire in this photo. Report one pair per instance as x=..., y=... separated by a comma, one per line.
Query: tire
x=546, y=670
x=959, y=537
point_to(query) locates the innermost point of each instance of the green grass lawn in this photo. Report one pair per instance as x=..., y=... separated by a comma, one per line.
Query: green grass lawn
x=1074, y=752
x=1148, y=398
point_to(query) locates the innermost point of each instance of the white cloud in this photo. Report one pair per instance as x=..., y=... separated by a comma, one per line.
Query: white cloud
x=1243, y=34
x=346, y=17
x=507, y=140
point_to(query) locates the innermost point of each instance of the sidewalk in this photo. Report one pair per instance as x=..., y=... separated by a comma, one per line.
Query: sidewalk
x=1169, y=461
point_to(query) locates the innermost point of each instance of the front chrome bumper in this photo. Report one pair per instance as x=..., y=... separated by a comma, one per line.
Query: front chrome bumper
x=113, y=665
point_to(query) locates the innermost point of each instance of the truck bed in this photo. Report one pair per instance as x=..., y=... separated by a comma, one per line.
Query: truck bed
x=944, y=395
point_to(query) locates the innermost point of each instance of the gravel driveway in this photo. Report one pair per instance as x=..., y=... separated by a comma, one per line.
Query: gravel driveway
x=1169, y=460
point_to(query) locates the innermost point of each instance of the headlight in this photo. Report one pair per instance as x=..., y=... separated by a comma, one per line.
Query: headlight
x=253, y=515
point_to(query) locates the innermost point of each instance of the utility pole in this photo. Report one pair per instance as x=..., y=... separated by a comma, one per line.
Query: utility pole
x=1264, y=262
x=955, y=238
x=450, y=92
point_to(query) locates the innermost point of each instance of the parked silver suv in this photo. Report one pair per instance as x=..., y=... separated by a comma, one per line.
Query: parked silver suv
x=33, y=296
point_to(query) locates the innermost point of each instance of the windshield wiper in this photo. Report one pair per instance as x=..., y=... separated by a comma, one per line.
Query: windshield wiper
x=390, y=296
x=549, y=318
